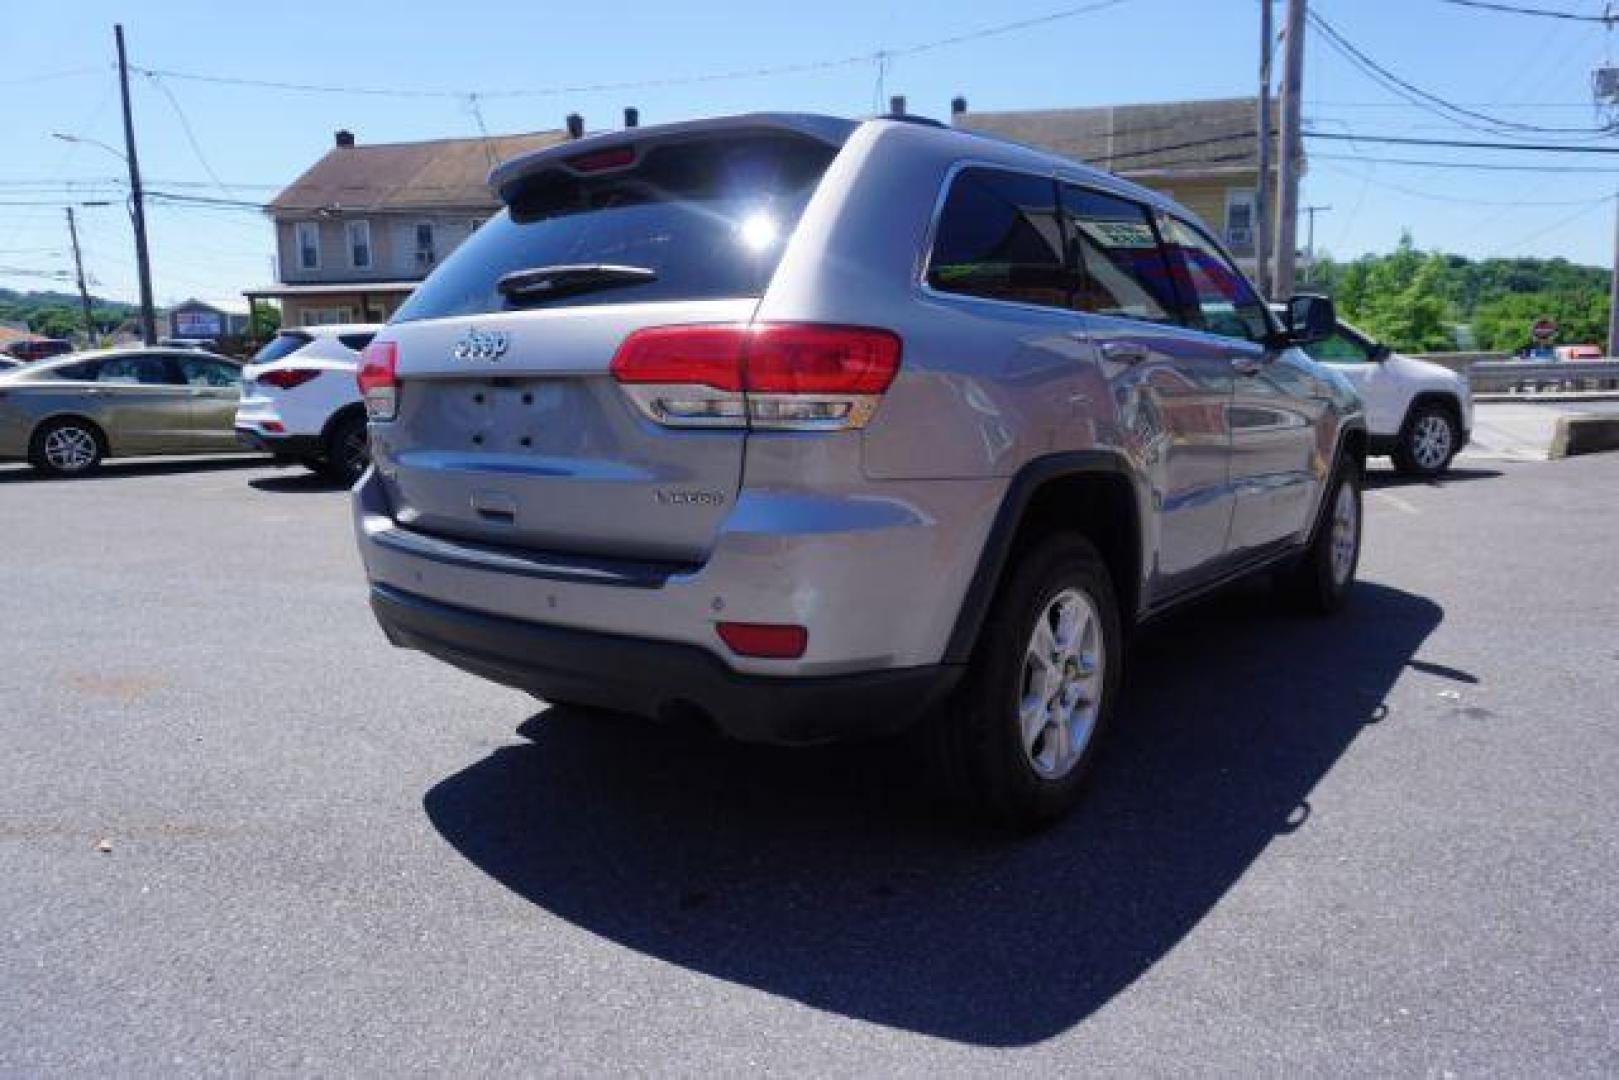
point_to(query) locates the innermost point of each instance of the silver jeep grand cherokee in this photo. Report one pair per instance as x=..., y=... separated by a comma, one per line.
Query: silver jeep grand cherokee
x=819, y=429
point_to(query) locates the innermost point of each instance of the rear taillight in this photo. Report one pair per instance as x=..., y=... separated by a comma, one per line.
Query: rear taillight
x=379, y=379
x=777, y=375
x=287, y=378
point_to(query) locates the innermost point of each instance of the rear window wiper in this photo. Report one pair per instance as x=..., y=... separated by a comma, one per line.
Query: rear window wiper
x=544, y=282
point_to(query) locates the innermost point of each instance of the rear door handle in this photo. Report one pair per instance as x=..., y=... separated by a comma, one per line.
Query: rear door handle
x=1124, y=352
x=1243, y=364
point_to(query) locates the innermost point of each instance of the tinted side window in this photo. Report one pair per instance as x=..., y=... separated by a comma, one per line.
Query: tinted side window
x=208, y=373
x=999, y=237
x=1115, y=253
x=83, y=371
x=144, y=370
x=1222, y=301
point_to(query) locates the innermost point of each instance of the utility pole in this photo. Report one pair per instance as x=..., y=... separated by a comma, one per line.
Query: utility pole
x=1613, y=290
x=1309, y=239
x=84, y=293
x=1261, y=190
x=137, y=201
x=1287, y=197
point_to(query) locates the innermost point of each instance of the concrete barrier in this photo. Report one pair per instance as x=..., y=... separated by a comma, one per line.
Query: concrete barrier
x=1585, y=435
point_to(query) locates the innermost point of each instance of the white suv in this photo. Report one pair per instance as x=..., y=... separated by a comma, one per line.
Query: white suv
x=1418, y=413
x=300, y=402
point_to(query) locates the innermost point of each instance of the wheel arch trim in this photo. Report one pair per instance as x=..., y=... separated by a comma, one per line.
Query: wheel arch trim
x=998, y=546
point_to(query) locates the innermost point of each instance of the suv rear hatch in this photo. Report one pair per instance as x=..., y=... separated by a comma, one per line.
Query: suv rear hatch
x=510, y=426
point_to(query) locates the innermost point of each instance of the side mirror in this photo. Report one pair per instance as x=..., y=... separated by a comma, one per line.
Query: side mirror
x=1380, y=352
x=1311, y=318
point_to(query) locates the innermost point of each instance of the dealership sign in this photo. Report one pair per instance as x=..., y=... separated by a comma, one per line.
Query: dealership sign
x=198, y=324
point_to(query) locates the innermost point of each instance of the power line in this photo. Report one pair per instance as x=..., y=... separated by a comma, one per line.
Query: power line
x=875, y=56
x=1481, y=166
x=1545, y=13
x=1469, y=144
x=1416, y=95
x=191, y=136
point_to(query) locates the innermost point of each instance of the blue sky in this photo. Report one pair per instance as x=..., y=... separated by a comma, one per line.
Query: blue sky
x=58, y=78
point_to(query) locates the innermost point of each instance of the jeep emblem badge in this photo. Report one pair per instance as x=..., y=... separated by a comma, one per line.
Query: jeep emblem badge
x=478, y=344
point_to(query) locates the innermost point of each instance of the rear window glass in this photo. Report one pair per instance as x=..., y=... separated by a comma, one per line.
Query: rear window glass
x=280, y=346
x=708, y=218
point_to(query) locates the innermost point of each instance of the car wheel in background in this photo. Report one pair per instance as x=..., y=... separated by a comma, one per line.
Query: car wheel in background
x=348, y=450
x=67, y=447
x=1427, y=443
x=1016, y=740
x=1320, y=581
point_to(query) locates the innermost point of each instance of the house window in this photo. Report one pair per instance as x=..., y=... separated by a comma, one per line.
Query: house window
x=1239, y=219
x=359, y=233
x=325, y=316
x=424, y=244
x=308, y=239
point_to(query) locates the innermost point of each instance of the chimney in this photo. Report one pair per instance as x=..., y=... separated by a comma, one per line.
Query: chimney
x=632, y=117
x=896, y=105
x=958, y=108
x=345, y=138
x=576, y=126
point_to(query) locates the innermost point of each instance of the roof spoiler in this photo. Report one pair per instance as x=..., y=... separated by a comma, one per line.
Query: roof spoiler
x=507, y=177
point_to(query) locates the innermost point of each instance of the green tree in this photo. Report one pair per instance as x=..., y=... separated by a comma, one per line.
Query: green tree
x=1502, y=324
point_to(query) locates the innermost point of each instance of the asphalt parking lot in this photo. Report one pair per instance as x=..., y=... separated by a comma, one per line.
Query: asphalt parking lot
x=240, y=833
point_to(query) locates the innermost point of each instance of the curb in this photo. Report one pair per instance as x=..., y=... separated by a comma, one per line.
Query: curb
x=1584, y=435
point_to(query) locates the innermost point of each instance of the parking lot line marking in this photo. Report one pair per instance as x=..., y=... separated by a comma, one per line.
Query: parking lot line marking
x=1396, y=502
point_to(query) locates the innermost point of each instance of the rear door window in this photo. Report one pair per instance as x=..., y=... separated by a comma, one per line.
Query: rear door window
x=999, y=237
x=201, y=372
x=1120, y=267
x=708, y=218
x=138, y=370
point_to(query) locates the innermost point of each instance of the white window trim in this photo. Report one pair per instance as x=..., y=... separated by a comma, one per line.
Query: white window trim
x=349, y=229
x=298, y=228
x=1240, y=197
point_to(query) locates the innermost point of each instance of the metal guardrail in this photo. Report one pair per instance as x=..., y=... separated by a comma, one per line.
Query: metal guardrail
x=1488, y=376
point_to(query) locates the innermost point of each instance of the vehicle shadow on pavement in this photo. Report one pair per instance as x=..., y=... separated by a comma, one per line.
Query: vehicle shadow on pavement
x=116, y=469
x=828, y=876
x=1388, y=478
x=296, y=483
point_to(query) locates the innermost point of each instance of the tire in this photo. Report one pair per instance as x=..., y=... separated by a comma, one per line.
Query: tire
x=1321, y=581
x=1427, y=442
x=67, y=447
x=347, y=453
x=977, y=741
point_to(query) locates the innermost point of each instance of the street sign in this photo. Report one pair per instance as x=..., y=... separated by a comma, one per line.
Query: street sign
x=1543, y=330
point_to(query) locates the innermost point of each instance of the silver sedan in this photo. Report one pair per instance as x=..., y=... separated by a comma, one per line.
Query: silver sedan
x=64, y=416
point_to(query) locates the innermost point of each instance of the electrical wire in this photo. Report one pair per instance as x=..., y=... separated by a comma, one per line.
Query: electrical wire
x=874, y=56
x=1459, y=115
x=1545, y=13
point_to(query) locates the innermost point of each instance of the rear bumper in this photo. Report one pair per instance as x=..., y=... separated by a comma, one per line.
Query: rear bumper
x=659, y=678
x=287, y=446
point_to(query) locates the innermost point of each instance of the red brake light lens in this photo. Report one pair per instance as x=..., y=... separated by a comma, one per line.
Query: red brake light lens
x=770, y=641
x=615, y=157
x=682, y=355
x=287, y=378
x=789, y=376
x=788, y=359
x=378, y=379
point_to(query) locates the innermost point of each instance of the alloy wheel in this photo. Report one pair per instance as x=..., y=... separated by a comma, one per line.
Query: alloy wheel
x=1345, y=533
x=1060, y=693
x=1430, y=442
x=70, y=449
